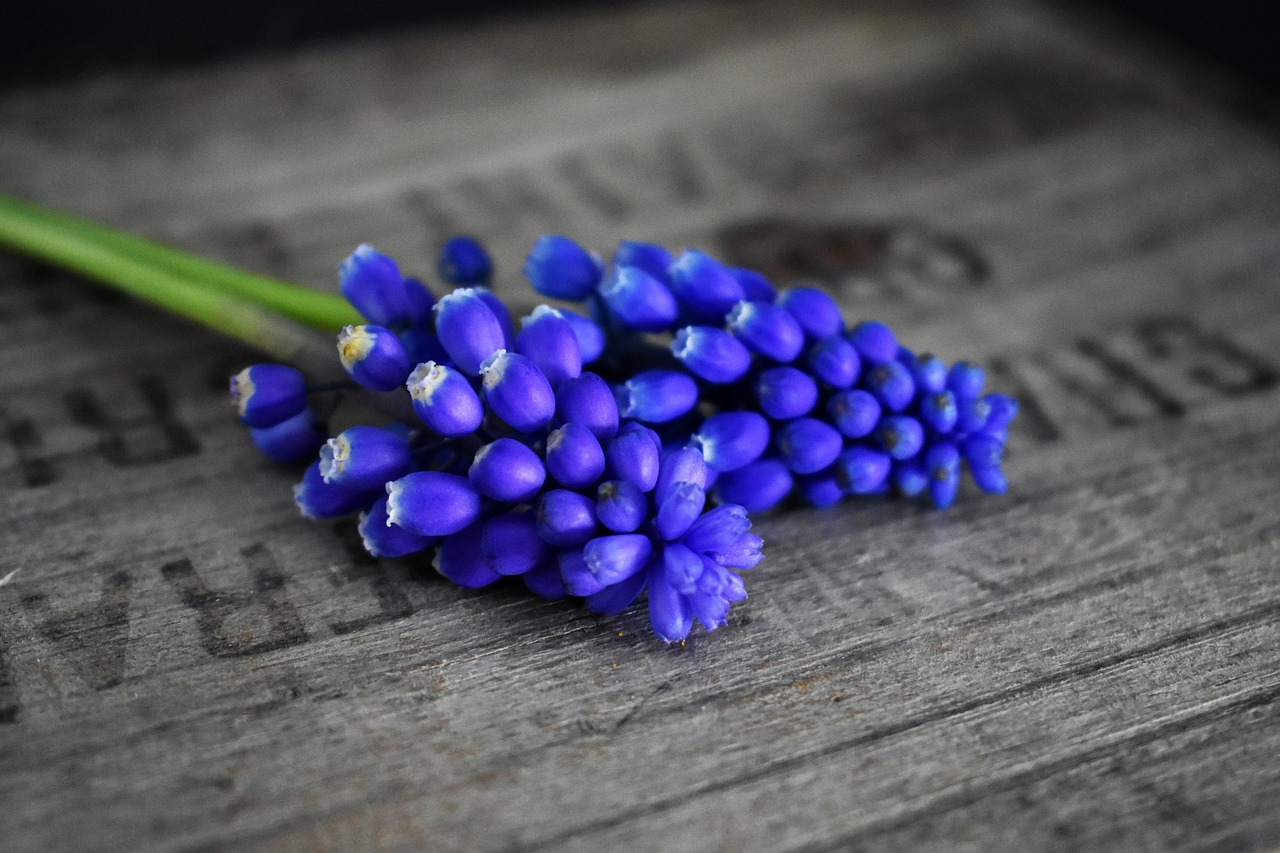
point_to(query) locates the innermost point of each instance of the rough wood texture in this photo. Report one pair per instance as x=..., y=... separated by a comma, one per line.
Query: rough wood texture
x=1092, y=661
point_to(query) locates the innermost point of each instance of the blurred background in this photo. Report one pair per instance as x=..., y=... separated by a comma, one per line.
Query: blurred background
x=54, y=39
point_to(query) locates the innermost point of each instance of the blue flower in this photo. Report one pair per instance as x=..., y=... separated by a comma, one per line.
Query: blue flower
x=291, y=440
x=574, y=456
x=711, y=353
x=464, y=261
x=506, y=470
x=372, y=283
x=587, y=400
x=444, y=400
x=468, y=328
x=560, y=268
x=638, y=300
x=657, y=396
x=704, y=287
x=267, y=394
x=517, y=391
x=432, y=503
x=815, y=311
x=365, y=458
x=767, y=329
x=373, y=356
x=548, y=339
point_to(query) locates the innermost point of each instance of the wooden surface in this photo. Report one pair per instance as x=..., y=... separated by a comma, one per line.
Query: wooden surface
x=1090, y=662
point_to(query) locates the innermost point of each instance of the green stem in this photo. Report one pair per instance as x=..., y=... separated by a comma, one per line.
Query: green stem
x=49, y=233
x=76, y=245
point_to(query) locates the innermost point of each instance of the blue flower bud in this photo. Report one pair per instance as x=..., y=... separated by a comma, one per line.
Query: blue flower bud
x=757, y=487
x=468, y=328
x=815, y=311
x=650, y=257
x=657, y=396
x=388, y=540
x=291, y=440
x=576, y=574
x=547, y=338
x=365, y=457
x=892, y=385
x=767, y=329
x=910, y=477
x=681, y=567
x=786, y=392
x=862, y=471
x=854, y=412
x=718, y=529
x=464, y=261
x=317, y=499
x=618, y=597
x=588, y=400
x=729, y=440
x=591, y=340
x=755, y=287
x=267, y=394
x=900, y=436
x=965, y=380
x=990, y=479
x=743, y=553
x=517, y=392
x=807, y=445
x=820, y=490
x=639, y=300
x=566, y=518
x=634, y=455
x=705, y=288
x=372, y=283
x=373, y=356
x=574, y=456
x=431, y=503
x=461, y=559
x=711, y=610
x=716, y=580
x=981, y=450
x=560, y=268
x=616, y=557
x=669, y=611
x=711, y=353
x=511, y=543
x=939, y=411
x=1001, y=410
x=544, y=581
x=444, y=400
x=927, y=371
x=685, y=465
x=942, y=461
x=507, y=471
x=620, y=505
x=678, y=509
x=972, y=413
x=419, y=302
x=874, y=341
x=834, y=360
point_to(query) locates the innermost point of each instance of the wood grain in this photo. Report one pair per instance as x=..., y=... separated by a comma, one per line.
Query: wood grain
x=1092, y=661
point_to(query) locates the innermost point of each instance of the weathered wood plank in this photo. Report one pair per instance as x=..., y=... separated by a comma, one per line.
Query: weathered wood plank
x=1088, y=662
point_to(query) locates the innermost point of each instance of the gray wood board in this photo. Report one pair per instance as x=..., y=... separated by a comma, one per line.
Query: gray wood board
x=1092, y=661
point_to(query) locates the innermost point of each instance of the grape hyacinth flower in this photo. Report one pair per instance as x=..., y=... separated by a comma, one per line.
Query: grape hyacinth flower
x=847, y=410
x=510, y=459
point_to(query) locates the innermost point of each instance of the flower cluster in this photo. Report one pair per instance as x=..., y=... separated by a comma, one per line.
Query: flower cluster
x=518, y=463
x=780, y=395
